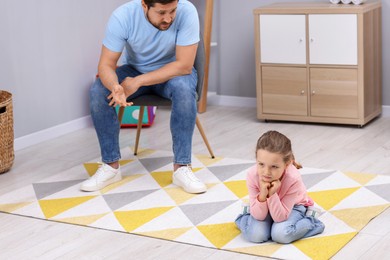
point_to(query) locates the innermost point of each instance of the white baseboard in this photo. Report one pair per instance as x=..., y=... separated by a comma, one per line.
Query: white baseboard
x=385, y=111
x=219, y=100
x=212, y=99
x=52, y=132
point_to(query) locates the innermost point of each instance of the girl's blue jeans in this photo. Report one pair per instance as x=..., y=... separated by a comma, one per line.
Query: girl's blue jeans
x=180, y=90
x=297, y=226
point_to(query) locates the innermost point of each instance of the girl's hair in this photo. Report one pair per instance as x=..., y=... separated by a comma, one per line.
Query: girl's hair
x=275, y=142
x=151, y=3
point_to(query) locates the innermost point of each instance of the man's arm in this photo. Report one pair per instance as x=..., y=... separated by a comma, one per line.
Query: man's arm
x=107, y=66
x=185, y=57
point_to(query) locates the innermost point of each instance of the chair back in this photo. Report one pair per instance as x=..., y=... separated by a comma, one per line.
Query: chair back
x=199, y=66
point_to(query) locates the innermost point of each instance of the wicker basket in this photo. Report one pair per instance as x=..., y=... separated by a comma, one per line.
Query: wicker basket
x=6, y=132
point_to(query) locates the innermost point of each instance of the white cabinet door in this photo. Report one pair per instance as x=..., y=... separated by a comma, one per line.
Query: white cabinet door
x=283, y=39
x=333, y=39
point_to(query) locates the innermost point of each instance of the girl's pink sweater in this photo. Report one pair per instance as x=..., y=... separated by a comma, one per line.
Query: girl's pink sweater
x=292, y=192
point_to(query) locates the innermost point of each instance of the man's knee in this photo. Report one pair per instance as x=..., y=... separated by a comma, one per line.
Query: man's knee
x=97, y=94
x=182, y=87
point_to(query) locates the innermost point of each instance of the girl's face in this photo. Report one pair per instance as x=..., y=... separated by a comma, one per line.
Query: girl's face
x=270, y=166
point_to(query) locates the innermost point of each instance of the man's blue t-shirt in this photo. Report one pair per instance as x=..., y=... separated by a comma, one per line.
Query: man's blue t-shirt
x=146, y=47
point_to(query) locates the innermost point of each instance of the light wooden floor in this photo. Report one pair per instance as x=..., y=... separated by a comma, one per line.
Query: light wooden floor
x=232, y=132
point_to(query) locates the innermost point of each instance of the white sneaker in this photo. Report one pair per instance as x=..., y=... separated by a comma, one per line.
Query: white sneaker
x=185, y=178
x=245, y=208
x=104, y=176
x=313, y=212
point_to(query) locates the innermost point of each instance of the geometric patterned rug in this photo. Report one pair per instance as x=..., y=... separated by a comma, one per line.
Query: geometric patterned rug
x=146, y=203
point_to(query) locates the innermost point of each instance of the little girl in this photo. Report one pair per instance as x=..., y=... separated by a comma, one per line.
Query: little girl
x=280, y=208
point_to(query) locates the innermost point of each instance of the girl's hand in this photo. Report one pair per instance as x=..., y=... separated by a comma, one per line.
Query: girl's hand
x=274, y=186
x=264, y=191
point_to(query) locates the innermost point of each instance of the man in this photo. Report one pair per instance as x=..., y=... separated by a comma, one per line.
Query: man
x=160, y=39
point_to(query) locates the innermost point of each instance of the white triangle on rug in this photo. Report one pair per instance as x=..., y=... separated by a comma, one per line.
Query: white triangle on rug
x=227, y=215
x=108, y=222
x=127, y=153
x=174, y=218
x=24, y=194
x=337, y=180
x=194, y=236
x=216, y=193
x=292, y=252
x=232, y=161
x=165, y=168
x=333, y=225
x=206, y=176
x=361, y=198
x=144, y=182
x=196, y=163
x=93, y=206
x=241, y=176
x=132, y=168
x=239, y=242
x=379, y=179
x=158, y=198
x=315, y=205
x=32, y=210
x=307, y=170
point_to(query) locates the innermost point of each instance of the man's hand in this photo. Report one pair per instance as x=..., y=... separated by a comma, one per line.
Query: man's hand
x=130, y=86
x=118, y=97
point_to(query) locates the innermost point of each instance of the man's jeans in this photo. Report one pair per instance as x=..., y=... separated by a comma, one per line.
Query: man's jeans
x=180, y=90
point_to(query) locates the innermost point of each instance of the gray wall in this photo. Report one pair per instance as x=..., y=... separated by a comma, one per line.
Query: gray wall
x=49, y=51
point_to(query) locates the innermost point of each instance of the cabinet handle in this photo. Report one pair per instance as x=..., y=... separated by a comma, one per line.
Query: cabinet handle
x=311, y=40
x=313, y=92
x=300, y=40
x=302, y=92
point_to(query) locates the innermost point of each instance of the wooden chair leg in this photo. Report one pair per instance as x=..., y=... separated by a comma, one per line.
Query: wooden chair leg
x=200, y=128
x=139, y=127
x=120, y=114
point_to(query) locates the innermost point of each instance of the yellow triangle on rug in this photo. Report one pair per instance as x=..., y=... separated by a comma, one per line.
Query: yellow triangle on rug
x=83, y=220
x=237, y=187
x=131, y=220
x=51, y=208
x=329, y=198
x=359, y=217
x=11, y=207
x=323, y=247
x=219, y=234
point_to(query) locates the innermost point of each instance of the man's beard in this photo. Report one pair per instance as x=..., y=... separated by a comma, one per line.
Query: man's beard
x=158, y=26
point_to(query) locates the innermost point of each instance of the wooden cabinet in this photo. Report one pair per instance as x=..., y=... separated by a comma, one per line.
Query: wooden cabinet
x=318, y=62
